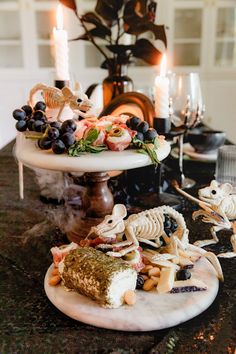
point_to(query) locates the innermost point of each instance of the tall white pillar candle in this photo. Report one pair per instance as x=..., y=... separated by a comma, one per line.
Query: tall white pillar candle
x=61, y=48
x=161, y=91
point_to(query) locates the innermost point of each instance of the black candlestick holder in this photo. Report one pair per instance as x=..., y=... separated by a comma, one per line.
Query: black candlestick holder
x=163, y=127
x=61, y=83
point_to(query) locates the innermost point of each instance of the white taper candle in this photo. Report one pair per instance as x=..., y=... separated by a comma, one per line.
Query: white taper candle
x=61, y=48
x=161, y=92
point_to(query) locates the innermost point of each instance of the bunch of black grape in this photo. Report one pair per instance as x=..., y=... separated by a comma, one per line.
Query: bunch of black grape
x=144, y=132
x=58, y=137
x=33, y=119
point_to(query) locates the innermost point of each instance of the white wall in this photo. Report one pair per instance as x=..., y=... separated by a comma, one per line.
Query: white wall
x=14, y=91
x=221, y=106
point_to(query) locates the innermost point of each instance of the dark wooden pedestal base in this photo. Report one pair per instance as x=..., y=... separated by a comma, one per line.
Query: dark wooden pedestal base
x=101, y=200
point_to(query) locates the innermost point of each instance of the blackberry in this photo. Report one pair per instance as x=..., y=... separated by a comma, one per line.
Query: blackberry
x=140, y=282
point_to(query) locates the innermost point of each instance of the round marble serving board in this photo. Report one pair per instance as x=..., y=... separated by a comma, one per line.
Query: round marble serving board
x=152, y=311
x=27, y=151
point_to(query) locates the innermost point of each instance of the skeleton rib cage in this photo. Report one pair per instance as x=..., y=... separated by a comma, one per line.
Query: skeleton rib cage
x=149, y=224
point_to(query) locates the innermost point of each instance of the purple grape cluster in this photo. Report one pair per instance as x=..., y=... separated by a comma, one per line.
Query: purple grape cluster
x=144, y=132
x=56, y=136
x=32, y=119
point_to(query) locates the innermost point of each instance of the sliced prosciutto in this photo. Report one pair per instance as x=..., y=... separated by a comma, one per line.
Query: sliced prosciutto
x=118, y=139
x=59, y=253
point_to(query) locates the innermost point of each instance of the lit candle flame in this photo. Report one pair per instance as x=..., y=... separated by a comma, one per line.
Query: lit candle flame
x=163, y=65
x=59, y=17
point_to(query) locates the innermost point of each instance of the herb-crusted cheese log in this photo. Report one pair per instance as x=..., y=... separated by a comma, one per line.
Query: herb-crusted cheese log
x=98, y=276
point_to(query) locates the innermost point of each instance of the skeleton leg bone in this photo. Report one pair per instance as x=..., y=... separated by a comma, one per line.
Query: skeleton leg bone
x=230, y=254
x=211, y=257
x=122, y=252
x=213, y=229
x=148, y=242
x=131, y=238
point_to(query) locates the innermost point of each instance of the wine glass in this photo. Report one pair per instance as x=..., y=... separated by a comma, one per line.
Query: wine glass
x=186, y=109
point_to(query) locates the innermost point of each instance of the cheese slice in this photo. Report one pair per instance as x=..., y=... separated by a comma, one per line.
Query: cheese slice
x=166, y=281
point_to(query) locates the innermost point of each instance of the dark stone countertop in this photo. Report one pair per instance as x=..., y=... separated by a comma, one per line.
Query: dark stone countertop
x=29, y=323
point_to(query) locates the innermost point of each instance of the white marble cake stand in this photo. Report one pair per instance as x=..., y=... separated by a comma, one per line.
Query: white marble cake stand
x=94, y=165
x=29, y=154
x=152, y=311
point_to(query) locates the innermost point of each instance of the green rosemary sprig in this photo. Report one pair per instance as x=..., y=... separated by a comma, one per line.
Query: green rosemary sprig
x=144, y=148
x=85, y=145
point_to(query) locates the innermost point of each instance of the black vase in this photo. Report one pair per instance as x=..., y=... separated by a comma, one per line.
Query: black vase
x=116, y=83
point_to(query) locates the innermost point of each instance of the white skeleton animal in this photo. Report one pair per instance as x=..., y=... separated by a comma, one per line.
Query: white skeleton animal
x=142, y=227
x=56, y=98
x=218, y=208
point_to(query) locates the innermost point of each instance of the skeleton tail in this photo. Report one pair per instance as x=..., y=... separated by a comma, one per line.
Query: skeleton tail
x=211, y=257
x=182, y=230
x=33, y=91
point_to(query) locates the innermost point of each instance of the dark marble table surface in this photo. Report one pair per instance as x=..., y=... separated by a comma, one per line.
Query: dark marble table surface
x=29, y=323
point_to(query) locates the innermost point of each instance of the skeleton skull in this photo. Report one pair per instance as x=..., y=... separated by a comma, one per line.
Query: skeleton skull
x=112, y=224
x=215, y=192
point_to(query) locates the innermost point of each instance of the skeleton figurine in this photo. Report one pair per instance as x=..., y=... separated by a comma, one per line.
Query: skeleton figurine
x=148, y=227
x=143, y=227
x=56, y=98
x=218, y=207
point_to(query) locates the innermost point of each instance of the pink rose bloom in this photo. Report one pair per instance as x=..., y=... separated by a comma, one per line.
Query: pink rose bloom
x=118, y=138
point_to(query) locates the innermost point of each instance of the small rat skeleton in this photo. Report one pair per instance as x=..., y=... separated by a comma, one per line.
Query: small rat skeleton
x=56, y=98
x=218, y=207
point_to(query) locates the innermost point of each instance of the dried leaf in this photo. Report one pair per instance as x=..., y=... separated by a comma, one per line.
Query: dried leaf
x=119, y=48
x=100, y=32
x=71, y=4
x=139, y=17
x=145, y=50
x=108, y=10
x=91, y=17
x=83, y=37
